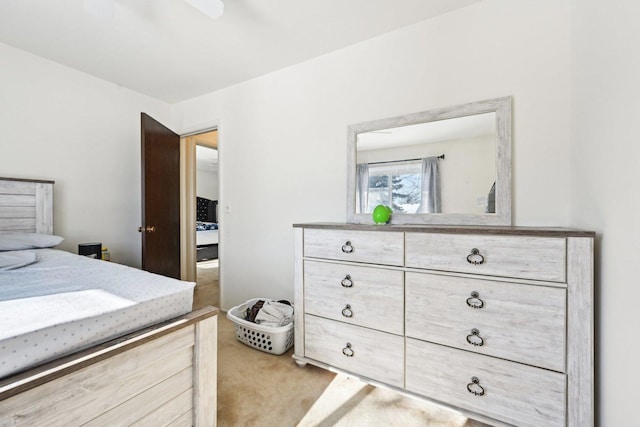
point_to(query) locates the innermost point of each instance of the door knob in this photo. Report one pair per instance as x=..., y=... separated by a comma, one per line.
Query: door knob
x=148, y=229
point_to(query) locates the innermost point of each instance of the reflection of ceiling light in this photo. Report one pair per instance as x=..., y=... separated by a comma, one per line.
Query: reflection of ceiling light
x=212, y=8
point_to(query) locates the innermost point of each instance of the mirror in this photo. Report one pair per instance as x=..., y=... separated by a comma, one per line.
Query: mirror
x=446, y=166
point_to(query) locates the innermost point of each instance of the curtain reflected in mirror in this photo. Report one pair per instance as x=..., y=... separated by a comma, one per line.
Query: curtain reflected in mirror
x=362, y=188
x=430, y=186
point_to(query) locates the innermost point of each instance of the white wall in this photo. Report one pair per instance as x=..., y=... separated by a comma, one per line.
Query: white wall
x=207, y=183
x=84, y=133
x=605, y=194
x=283, y=135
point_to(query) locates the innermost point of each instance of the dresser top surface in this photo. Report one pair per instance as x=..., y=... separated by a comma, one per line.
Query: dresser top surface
x=454, y=229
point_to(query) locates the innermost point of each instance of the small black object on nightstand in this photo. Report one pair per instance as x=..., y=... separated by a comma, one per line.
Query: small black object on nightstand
x=92, y=250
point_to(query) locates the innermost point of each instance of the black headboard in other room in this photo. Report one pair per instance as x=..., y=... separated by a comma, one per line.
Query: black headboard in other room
x=206, y=210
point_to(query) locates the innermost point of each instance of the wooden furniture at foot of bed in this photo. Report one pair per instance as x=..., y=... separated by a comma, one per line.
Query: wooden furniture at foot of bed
x=162, y=375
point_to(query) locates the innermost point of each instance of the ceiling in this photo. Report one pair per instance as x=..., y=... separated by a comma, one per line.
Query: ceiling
x=170, y=51
x=457, y=128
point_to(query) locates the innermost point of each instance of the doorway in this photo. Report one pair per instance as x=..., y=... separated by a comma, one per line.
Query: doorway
x=201, y=190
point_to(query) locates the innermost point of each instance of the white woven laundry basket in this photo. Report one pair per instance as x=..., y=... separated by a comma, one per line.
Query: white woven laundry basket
x=270, y=339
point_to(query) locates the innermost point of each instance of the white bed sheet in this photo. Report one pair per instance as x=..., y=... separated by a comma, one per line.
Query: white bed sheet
x=65, y=302
x=207, y=237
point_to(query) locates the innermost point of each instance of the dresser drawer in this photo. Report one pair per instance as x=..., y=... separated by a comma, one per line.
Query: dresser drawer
x=364, y=296
x=513, y=393
x=372, y=247
x=539, y=258
x=361, y=351
x=523, y=323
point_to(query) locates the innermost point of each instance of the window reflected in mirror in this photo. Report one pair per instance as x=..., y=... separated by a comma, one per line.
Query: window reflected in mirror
x=394, y=184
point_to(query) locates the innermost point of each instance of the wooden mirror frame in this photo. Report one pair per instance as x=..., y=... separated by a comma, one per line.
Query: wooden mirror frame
x=502, y=216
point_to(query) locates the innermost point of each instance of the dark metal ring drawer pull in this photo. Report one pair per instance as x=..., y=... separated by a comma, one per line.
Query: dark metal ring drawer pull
x=348, y=351
x=347, y=282
x=475, y=339
x=475, y=258
x=475, y=388
x=347, y=248
x=474, y=300
x=347, y=312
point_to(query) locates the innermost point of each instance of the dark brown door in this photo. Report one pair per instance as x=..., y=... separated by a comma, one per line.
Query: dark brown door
x=160, y=198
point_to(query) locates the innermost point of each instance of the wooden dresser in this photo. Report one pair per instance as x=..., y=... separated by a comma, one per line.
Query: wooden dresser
x=496, y=322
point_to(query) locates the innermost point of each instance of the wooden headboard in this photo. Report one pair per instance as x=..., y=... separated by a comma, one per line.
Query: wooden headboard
x=26, y=205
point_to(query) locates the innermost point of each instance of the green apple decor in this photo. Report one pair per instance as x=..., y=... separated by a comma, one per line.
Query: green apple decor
x=381, y=214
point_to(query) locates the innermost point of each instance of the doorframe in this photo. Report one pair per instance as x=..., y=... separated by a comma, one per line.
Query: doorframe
x=188, y=255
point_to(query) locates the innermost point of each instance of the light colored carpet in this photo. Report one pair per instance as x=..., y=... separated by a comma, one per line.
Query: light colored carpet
x=261, y=389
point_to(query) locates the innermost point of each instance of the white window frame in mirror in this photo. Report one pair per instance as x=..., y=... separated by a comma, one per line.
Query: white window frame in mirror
x=502, y=216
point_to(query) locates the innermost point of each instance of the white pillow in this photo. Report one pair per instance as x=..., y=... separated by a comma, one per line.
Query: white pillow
x=12, y=260
x=20, y=241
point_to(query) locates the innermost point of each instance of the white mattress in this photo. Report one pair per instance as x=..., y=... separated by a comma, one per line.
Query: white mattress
x=207, y=237
x=65, y=302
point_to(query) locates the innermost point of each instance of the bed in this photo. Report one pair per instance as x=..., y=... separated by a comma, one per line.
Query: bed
x=206, y=229
x=88, y=342
x=206, y=240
